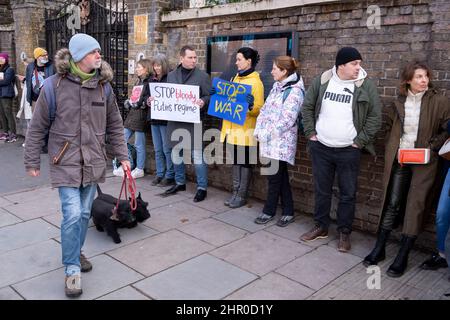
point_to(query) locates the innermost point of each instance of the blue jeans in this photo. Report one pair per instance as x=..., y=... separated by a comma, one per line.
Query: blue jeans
x=201, y=170
x=76, y=206
x=164, y=165
x=443, y=216
x=139, y=144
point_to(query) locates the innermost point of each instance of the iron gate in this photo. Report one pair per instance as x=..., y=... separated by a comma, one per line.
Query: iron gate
x=106, y=21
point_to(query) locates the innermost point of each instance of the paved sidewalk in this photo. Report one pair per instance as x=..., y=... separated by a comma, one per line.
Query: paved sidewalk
x=190, y=250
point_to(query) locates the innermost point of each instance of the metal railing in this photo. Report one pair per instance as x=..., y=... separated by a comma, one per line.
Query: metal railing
x=187, y=4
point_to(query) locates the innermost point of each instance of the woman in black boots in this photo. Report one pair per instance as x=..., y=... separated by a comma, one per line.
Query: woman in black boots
x=417, y=119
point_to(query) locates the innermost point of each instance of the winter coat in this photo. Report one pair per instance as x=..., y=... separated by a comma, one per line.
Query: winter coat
x=136, y=119
x=199, y=78
x=243, y=135
x=366, y=109
x=156, y=122
x=7, y=84
x=49, y=70
x=276, y=126
x=84, y=116
x=432, y=133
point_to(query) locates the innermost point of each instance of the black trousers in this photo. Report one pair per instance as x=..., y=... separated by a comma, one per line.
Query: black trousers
x=326, y=162
x=398, y=188
x=279, y=187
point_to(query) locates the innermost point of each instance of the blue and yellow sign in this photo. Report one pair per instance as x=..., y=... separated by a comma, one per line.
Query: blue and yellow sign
x=229, y=102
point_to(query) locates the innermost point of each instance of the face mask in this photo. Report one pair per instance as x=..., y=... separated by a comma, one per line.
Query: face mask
x=43, y=61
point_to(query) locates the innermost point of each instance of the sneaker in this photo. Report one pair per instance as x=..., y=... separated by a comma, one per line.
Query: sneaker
x=156, y=181
x=434, y=263
x=344, y=244
x=73, y=286
x=285, y=220
x=263, y=218
x=3, y=136
x=137, y=173
x=167, y=182
x=11, y=138
x=317, y=232
x=86, y=266
x=118, y=172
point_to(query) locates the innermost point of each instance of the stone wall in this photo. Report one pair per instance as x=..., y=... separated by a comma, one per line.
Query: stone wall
x=5, y=12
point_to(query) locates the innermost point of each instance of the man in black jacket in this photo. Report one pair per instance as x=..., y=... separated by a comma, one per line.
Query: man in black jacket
x=187, y=73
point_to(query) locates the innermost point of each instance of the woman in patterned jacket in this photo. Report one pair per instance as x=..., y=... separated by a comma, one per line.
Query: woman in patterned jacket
x=276, y=130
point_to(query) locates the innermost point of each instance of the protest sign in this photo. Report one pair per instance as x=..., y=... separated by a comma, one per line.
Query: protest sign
x=136, y=94
x=229, y=102
x=175, y=102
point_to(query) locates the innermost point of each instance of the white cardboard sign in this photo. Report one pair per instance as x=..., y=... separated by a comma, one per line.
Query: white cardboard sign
x=174, y=102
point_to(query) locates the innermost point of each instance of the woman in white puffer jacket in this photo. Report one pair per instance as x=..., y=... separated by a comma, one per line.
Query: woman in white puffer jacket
x=277, y=130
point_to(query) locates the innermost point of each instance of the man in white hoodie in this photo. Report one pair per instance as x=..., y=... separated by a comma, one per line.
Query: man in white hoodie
x=341, y=115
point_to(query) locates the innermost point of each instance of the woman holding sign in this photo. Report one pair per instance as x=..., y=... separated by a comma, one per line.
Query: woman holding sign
x=276, y=130
x=136, y=119
x=240, y=137
x=164, y=167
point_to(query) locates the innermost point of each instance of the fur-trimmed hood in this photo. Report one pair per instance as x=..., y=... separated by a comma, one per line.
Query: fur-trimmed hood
x=62, y=66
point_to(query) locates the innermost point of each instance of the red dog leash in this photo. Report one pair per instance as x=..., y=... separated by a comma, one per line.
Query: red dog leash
x=131, y=188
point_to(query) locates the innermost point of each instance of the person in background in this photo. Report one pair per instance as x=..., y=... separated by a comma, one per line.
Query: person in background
x=136, y=119
x=417, y=119
x=165, y=174
x=239, y=138
x=277, y=130
x=37, y=71
x=438, y=260
x=24, y=107
x=7, y=81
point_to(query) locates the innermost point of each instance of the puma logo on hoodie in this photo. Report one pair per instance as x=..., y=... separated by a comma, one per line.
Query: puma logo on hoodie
x=335, y=126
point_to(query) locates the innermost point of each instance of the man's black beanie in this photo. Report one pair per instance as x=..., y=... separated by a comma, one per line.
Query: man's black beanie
x=347, y=54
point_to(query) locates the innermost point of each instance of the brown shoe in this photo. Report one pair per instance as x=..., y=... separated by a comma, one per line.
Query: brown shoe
x=317, y=232
x=86, y=266
x=344, y=244
x=73, y=286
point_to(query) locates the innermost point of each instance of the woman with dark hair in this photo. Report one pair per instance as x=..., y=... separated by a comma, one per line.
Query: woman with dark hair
x=240, y=138
x=135, y=122
x=277, y=131
x=417, y=119
x=164, y=167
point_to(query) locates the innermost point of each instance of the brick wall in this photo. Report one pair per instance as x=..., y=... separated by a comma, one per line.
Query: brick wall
x=409, y=28
x=5, y=12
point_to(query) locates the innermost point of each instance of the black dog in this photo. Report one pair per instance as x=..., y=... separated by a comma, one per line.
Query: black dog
x=102, y=213
x=141, y=212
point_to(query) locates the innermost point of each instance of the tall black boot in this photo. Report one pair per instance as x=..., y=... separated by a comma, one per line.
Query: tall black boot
x=401, y=261
x=379, y=251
